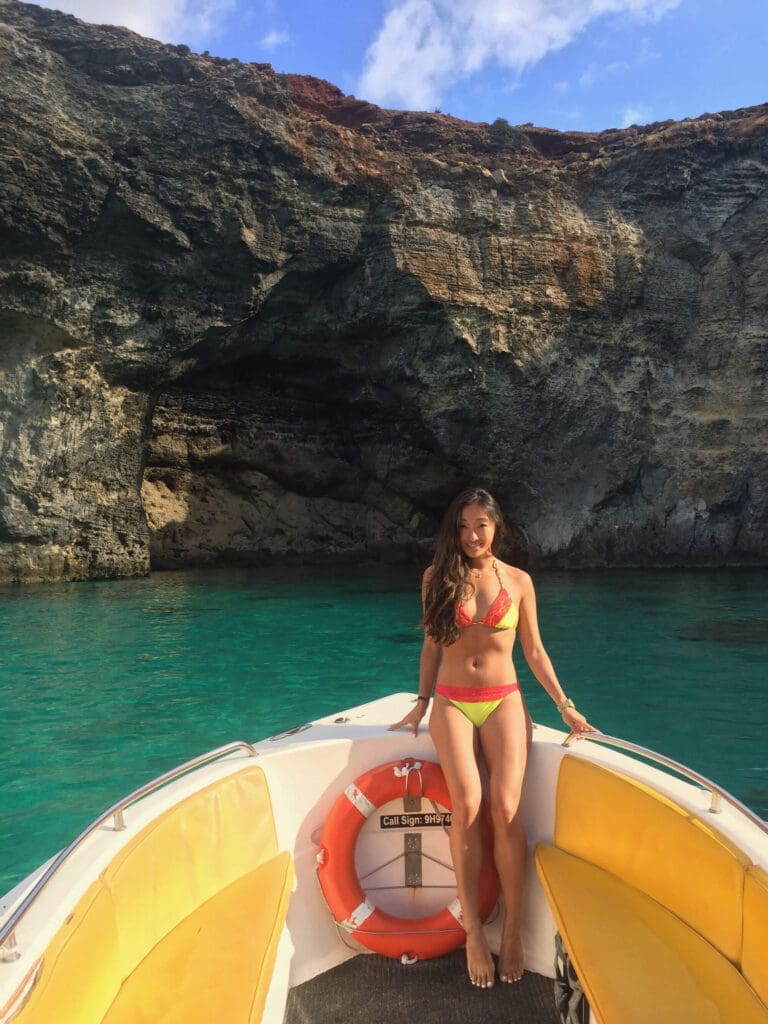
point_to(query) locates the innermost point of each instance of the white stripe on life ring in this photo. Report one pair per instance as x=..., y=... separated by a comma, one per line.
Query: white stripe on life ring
x=359, y=800
x=360, y=914
x=454, y=908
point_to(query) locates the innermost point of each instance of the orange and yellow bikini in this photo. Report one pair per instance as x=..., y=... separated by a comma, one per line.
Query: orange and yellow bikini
x=478, y=702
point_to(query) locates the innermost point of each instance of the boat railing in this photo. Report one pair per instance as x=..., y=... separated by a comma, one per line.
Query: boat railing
x=717, y=795
x=8, y=946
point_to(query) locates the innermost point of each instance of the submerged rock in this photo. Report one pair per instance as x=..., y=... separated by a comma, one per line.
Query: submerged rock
x=246, y=318
x=729, y=631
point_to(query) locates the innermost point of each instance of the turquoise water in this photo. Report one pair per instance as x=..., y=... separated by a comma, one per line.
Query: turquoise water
x=104, y=686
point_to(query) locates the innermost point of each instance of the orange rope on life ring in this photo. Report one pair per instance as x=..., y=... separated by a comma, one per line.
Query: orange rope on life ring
x=352, y=909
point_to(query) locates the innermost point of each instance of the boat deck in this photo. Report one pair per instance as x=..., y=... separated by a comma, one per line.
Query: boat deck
x=372, y=989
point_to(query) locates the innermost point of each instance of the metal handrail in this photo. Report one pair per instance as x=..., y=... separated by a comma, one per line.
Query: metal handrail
x=8, y=952
x=716, y=793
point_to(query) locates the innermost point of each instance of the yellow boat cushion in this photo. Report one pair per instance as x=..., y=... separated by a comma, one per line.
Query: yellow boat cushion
x=186, y=856
x=81, y=968
x=217, y=964
x=637, y=962
x=173, y=867
x=655, y=845
x=754, y=961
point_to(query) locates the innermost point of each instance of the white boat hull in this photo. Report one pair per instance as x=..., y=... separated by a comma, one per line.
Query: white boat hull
x=306, y=771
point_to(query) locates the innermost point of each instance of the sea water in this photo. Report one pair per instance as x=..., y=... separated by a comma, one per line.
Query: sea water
x=104, y=686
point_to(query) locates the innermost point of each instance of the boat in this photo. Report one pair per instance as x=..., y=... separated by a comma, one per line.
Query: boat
x=223, y=892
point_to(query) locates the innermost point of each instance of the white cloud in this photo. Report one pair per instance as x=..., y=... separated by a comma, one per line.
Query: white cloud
x=172, y=21
x=274, y=39
x=424, y=46
x=633, y=115
x=410, y=58
x=596, y=72
x=511, y=86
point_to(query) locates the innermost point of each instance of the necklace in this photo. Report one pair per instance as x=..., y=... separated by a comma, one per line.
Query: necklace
x=479, y=573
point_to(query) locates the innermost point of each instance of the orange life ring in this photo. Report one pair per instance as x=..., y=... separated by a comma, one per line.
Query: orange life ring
x=397, y=937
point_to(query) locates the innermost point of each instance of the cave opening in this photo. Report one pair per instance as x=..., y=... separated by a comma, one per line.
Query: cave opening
x=263, y=459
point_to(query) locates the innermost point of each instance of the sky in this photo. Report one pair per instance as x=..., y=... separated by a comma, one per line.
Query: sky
x=583, y=65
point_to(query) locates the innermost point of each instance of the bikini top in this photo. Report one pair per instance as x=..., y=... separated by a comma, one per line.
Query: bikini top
x=502, y=614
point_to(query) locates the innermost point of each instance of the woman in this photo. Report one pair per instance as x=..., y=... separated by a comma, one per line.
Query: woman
x=474, y=605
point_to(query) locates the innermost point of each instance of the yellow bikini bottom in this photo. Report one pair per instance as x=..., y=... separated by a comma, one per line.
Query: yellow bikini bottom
x=476, y=702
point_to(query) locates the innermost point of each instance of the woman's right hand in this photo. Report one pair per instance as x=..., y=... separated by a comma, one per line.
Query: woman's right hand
x=412, y=719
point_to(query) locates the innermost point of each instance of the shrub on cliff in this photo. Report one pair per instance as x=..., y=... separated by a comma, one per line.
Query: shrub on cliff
x=502, y=133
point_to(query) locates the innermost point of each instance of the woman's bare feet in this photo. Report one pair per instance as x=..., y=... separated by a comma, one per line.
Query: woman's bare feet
x=511, y=958
x=479, y=960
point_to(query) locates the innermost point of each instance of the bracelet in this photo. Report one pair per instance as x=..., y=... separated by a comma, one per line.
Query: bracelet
x=425, y=699
x=564, y=704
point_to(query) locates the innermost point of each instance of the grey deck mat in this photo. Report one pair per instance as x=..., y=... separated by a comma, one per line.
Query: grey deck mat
x=372, y=989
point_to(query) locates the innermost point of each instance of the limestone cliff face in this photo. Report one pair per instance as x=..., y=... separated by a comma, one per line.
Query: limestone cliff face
x=244, y=317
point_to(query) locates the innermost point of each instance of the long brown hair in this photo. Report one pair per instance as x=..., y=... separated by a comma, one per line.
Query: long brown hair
x=450, y=566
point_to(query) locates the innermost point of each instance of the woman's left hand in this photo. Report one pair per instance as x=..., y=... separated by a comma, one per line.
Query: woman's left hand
x=576, y=722
x=413, y=719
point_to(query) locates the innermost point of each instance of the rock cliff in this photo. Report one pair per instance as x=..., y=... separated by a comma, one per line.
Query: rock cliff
x=244, y=317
